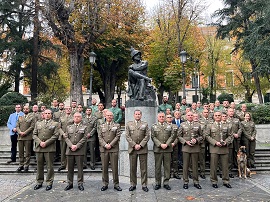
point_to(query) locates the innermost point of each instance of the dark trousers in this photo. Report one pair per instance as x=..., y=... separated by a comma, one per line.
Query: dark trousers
x=24, y=152
x=106, y=158
x=133, y=159
x=58, y=149
x=63, y=146
x=71, y=159
x=215, y=159
x=91, y=146
x=165, y=158
x=97, y=152
x=41, y=158
x=174, y=162
x=193, y=159
x=250, y=147
x=180, y=154
x=202, y=160
x=14, y=142
x=236, y=145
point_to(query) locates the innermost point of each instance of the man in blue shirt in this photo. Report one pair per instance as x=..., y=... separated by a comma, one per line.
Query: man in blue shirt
x=11, y=124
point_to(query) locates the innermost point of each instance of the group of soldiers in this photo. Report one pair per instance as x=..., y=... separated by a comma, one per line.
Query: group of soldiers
x=182, y=137
x=70, y=132
x=209, y=130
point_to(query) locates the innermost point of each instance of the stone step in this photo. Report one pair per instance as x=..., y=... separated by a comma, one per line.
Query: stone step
x=32, y=170
x=262, y=156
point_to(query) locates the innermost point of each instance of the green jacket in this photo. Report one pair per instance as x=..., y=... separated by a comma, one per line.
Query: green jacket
x=163, y=107
x=117, y=114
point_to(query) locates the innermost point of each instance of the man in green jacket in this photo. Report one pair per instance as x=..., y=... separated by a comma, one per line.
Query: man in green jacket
x=165, y=105
x=117, y=112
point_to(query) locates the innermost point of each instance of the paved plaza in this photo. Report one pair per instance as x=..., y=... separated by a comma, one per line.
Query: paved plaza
x=19, y=187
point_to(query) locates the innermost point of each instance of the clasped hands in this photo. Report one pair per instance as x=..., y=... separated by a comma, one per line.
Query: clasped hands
x=219, y=144
x=192, y=142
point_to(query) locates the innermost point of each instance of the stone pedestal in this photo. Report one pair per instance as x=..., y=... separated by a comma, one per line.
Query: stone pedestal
x=149, y=114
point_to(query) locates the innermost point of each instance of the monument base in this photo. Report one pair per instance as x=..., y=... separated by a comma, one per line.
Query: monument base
x=149, y=115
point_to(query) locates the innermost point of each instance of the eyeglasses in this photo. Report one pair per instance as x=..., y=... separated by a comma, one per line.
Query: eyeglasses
x=169, y=117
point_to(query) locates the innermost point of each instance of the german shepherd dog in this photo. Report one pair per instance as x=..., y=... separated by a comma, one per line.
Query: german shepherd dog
x=242, y=163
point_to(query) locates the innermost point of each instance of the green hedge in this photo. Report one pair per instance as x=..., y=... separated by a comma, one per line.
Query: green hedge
x=225, y=96
x=5, y=111
x=261, y=114
x=12, y=98
x=250, y=106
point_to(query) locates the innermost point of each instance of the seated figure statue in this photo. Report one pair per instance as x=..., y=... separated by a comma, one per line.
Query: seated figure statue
x=139, y=87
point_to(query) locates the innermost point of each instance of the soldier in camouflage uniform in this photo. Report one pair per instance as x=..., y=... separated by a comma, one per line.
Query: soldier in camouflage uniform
x=45, y=134
x=249, y=138
x=204, y=121
x=25, y=126
x=64, y=121
x=137, y=135
x=236, y=130
x=174, y=162
x=219, y=136
x=162, y=135
x=91, y=122
x=190, y=135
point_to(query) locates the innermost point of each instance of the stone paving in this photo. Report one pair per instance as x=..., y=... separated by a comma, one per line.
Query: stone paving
x=18, y=187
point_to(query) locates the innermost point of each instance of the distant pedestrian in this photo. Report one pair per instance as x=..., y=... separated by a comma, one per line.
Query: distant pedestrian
x=11, y=124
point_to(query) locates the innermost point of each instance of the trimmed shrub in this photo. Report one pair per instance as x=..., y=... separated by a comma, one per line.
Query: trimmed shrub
x=261, y=114
x=5, y=111
x=225, y=96
x=12, y=98
x=250, y=106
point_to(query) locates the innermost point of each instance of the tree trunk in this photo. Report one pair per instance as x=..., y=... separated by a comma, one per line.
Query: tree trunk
x=118, y=96
x=248, y=95
x=109, y=79
x=76, y=68
x=17, y=81
x=101, y=96
x=257, y=81
x=35, y=53
x=160, y=94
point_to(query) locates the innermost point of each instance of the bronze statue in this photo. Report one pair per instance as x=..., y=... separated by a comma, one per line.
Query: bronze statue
x=139, y=87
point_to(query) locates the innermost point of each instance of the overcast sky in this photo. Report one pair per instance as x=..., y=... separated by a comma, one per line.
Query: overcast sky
x=213, y=4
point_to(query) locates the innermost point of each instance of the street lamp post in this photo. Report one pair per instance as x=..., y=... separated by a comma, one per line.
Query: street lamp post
x=92, y=59
x=196, y=78
x=183, y=58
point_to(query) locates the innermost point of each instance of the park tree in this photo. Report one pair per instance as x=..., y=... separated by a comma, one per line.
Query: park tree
x=174, y=29
x=217, y=54
x=248, y=23
x=109, y=28
x=77, y=24
x=125, y=29
x=243, y=79
x=15, y=21
x=24, y=46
